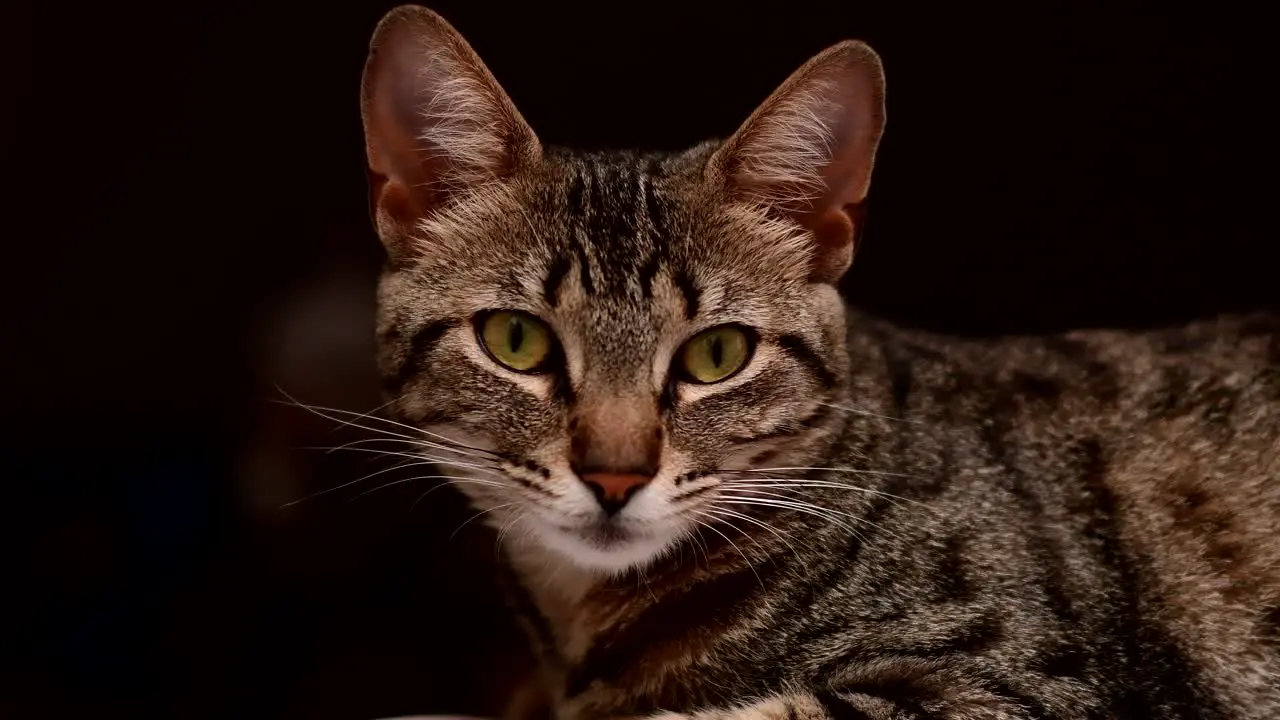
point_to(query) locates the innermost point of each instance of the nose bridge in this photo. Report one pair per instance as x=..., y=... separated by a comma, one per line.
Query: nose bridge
x=617, y=434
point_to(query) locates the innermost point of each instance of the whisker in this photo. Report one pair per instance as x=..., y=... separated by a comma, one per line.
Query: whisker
x=320, y=411
x=719, y=514
x=414, y=443
x=783, y=502
x=802, y=483
x=779, y=497
x=868, y=413
x=397, y=466
x=696, y=541
x=473, y=517
x=497, y=541
x=754, y=521
x=856, y=471
x=452, y=480
x=731, y=543
x=492, y=469
x=423, y=477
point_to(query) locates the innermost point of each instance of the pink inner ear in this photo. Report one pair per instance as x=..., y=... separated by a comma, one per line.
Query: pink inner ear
x=436, y=121
x=808, y=151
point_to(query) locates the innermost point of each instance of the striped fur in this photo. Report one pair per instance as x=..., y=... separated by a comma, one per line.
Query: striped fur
x=864, y=522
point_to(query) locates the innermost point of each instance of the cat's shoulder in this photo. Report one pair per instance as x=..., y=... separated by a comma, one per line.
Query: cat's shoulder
x=1251, y=340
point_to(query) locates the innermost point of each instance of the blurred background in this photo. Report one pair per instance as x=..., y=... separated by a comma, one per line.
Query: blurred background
x=186, y=238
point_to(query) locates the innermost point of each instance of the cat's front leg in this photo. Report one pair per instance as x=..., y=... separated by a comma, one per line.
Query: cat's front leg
x=835, y=705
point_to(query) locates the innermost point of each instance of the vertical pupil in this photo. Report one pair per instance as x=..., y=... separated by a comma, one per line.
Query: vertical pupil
x=515, y=335
x=717, y=351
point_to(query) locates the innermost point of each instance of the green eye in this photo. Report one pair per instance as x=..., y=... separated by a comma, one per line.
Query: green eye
x=518, y=341
x=715, y=354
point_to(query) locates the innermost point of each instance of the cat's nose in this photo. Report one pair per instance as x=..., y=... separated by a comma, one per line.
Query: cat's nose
x=613, y=490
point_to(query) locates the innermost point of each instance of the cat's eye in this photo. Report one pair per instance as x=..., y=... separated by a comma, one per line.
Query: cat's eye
x=714, y=355
x=519, y=341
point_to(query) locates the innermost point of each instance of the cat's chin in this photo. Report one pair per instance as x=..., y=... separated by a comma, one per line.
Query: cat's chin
x=605, y=549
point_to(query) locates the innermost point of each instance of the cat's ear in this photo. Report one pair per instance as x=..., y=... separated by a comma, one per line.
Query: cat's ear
x=436, y=122
x=807, y=152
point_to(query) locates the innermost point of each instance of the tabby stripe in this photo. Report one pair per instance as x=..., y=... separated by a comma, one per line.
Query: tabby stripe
x=1170, y=681
x=577, y=189
x=791, y=429
x=648, y=272
x=536, y=623
x=555, y=276
x=838, y=707
x=972, y=639
x=689, y=289
x=584, y=268
x=801, y=352
x=1033, y=707
x=710, y=607
x=653, y=208
x=1269, y=625
x=687, y=494
x=419, y=346
x=951, y=580
x=902, y=694
x=667, y=398
x=900, y=378
x=561, y=387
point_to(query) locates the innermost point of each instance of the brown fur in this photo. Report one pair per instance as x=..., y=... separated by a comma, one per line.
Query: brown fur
x=865, y=521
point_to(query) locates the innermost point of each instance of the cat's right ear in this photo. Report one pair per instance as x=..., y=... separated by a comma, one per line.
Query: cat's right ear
x=806, y=154
x=437, y=124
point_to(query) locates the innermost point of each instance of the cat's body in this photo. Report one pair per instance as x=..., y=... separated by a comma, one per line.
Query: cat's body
x=1087, y=528
x=721, y=492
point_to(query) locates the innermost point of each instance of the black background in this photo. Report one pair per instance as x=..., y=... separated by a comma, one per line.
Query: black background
x=185, y=235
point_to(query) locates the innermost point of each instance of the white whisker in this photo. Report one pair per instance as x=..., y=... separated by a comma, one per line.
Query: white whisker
x=802, y=483
x=425, y=477
x=452, y=480
x=397, y=466
x=473, y=517
x=497, y=541
x=746, y=559
x=321, y=411
x=784, y=502
x=491, y=469
x=743, y=516
x=856, y=471
x=414, y=443
x=868, y=413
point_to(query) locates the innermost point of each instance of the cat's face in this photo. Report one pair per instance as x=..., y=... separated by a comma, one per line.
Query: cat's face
x=600, y=346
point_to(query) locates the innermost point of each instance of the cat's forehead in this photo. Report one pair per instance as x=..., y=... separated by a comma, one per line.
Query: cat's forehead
x=616, y=249
x=617, y=228
x=617, y=206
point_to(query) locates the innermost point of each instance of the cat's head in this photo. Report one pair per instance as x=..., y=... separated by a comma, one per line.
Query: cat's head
x=600, y=344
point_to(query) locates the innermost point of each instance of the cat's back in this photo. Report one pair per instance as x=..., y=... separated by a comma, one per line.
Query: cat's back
x=1193, y=439
x=1209, y=388
x=1195, y=467
x=1182, y=428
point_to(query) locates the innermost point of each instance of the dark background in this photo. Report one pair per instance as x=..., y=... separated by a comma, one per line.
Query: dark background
x=185, y=231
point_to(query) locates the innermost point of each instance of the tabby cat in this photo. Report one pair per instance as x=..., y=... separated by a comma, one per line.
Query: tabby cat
x=722, y=493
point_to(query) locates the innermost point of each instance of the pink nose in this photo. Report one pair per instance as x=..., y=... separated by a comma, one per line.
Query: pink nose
x=613, y=490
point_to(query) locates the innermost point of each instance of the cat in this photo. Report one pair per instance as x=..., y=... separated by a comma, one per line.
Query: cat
x=724, y=494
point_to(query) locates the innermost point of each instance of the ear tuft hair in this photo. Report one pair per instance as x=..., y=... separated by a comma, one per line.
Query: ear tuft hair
x=807, y=152
x=437, y=124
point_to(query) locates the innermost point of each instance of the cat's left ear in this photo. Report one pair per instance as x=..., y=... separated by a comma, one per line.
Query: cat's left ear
x=806, y=153
x=437, y=124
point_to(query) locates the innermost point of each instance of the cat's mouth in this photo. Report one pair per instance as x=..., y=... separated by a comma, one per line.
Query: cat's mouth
x=603, y=533
x=610, y=543
x=606, y=533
